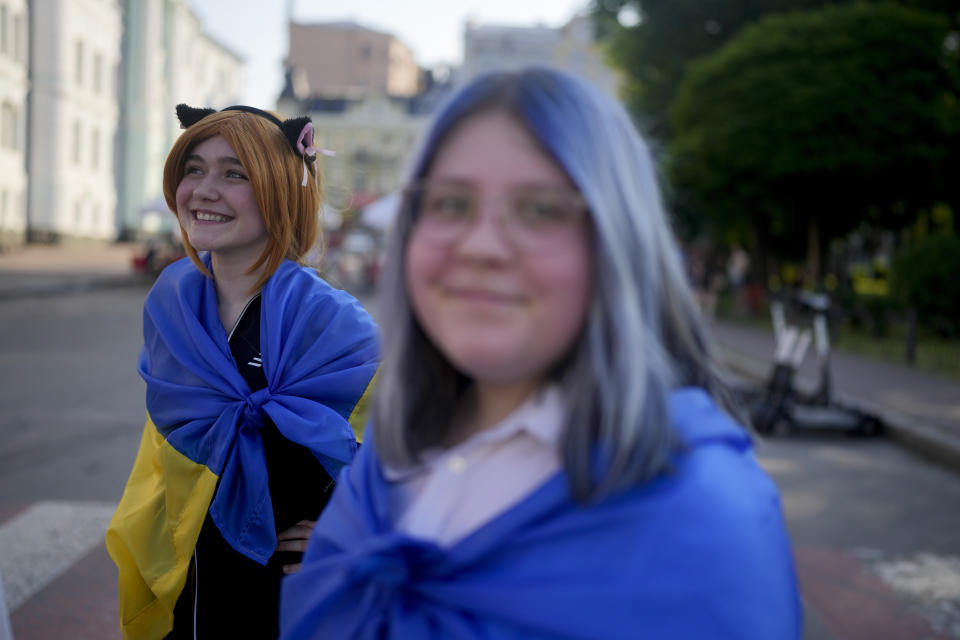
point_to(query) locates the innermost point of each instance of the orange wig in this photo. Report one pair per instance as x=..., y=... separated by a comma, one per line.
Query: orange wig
x=290, y=211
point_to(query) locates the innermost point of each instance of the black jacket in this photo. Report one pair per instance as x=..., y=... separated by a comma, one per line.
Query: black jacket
x=230, y=595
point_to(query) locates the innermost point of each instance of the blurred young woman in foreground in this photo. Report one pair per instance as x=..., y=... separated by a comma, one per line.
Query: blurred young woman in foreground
x=549, y=457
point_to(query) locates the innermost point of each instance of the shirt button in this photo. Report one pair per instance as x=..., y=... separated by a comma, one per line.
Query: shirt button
x=457, y=464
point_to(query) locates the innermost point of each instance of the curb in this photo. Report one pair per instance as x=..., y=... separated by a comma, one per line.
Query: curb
x=71, y=285
x=911, y=432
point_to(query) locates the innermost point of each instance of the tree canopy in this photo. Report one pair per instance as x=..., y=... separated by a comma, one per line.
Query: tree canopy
x=653, y=53
x=806, y=122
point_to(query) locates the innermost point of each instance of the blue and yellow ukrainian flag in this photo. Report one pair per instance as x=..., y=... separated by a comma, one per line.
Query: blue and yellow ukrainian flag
x=201, y=450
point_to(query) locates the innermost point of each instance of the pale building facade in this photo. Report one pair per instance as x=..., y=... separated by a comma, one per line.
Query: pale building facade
x=570, y=47
x=168, y=59
x=344, y=59
x=577, y=50
x=14, y=83
x=201, y=71
x=74, y=56
x=492, y=47
x=363, y=90
x=143, y=139
x=373, y=138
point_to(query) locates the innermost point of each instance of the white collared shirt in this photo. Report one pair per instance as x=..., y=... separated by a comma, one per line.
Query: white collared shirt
x=457, y=490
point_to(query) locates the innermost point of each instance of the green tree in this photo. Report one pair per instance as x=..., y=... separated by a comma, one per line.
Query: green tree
x=925, y=280
x=653, y=54
x=806, y=123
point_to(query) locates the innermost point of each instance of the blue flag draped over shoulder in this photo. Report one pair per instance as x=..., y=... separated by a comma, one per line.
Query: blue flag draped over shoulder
x=202, y=449
x=700, y=552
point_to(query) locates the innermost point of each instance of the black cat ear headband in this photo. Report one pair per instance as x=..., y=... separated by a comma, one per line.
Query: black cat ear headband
x=297, y=131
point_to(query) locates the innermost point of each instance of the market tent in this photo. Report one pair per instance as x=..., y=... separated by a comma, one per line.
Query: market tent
x=379, y=214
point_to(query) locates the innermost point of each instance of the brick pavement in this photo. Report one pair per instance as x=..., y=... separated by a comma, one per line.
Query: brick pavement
x=847, y=600
x=844, y=599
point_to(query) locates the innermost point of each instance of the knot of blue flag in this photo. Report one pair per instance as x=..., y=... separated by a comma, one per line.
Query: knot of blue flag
x=352, y=591
x=319, y=352
x=392, y=561
x=253, y=414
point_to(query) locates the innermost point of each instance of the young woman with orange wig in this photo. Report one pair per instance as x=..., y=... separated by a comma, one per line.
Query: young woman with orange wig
x=256, y=374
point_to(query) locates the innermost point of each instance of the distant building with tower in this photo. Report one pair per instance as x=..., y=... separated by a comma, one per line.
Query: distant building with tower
x=366, y=96
x=372, y=136
x=370, y=102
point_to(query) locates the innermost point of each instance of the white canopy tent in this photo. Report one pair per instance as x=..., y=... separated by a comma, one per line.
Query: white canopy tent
x=331, y=217
x=380, y=213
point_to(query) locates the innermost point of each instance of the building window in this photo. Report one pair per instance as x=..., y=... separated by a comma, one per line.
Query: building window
x=4, y=38
x=97, y=71
x=95, y=148
x=77, y=213
x=18, y=38
x=78, y=62
x=76, y=142
x=8, y=126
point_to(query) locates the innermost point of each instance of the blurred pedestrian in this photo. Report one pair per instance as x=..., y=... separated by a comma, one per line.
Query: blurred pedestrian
x=256, y=374
x=550, y=455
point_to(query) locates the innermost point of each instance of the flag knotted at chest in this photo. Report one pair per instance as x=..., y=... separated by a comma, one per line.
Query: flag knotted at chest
x=317, y=362
x=202, y=448
x=550, y=567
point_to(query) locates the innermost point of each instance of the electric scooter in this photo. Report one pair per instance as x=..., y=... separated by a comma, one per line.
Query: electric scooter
x=782, y=407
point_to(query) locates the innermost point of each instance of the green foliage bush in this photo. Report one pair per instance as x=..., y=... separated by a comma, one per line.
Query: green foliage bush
x=926, y=277
x=805, y=122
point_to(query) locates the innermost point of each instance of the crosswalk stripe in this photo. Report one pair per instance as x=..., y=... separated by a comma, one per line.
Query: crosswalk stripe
x=44, y=541
x=924, y=575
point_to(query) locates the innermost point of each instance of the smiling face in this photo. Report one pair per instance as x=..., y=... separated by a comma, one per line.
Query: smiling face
x=501, y=315
x=216, y=204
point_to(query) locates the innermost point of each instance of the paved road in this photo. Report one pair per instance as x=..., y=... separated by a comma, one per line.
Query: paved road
x=70, y=394
x=71, y=408
x=875, y=536
x=874, y=528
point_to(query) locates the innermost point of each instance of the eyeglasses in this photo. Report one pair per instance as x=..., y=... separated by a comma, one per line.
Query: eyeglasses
x=534, y=219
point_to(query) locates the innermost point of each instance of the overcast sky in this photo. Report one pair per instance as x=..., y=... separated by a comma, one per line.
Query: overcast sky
x=433, y=29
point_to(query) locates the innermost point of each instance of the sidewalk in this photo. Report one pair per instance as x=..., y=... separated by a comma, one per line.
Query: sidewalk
x=41, y=270
x=919, y=409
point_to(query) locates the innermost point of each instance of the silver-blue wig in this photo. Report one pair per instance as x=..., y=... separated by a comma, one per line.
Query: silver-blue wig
x=644, y=334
